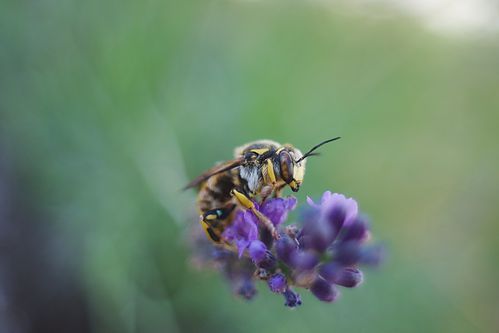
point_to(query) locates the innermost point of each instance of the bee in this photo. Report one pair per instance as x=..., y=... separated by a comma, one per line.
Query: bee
x=258, y=170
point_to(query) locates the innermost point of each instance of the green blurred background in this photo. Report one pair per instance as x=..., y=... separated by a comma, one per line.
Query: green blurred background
x=108, y=108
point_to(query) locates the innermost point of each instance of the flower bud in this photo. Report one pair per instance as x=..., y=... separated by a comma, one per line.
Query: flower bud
x=323, y=290
x=292, y=298
x=277, y=283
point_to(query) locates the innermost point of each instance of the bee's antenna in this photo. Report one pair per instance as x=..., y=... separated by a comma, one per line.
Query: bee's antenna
x=311, y=151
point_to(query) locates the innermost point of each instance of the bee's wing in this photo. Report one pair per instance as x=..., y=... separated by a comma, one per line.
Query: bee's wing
x=219, y=168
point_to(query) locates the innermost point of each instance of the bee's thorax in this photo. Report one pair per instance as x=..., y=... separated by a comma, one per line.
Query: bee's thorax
x=251, y=174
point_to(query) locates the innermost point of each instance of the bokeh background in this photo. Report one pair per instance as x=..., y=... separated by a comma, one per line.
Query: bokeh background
x=107, y=108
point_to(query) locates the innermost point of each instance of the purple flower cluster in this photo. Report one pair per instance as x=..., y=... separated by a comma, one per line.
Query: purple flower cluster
x=322, y=251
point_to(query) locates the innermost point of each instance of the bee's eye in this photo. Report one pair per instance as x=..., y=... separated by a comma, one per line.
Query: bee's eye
x=286, y=164
x=250, y=156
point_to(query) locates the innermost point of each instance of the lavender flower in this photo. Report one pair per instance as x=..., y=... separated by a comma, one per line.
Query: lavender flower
x=322, y=251
x=277, y=283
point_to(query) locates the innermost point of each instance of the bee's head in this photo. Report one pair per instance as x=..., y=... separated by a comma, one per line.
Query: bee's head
x=292, y=164
x=290, y=170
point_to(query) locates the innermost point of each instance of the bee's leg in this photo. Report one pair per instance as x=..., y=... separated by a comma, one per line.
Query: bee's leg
x=278, y=191
x=248, y=204
x=267, y=189
x=211, y=233
x=214, y=216
x=211, y=221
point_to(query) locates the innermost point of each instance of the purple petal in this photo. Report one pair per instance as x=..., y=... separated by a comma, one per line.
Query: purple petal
x=337, y=207
x=242, y=231
x=257, y=251
x=312, y=203
x=348, y=204
x=241, y=246
x=277, y=209
x=336, y=217
x=356, y=231
x=250, y=226
x=323, y=290
x=316, y=235
x=230, y=233
x=277, y=283
x=326, y=197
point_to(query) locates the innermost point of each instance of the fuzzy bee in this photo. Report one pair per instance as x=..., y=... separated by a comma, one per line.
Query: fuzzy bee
x=258, y=170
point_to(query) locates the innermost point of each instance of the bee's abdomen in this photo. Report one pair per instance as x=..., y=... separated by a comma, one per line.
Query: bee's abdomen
x=215, y=192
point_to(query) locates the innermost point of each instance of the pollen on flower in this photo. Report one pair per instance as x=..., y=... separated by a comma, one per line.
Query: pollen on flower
x=322, y=251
